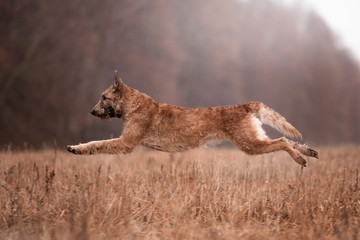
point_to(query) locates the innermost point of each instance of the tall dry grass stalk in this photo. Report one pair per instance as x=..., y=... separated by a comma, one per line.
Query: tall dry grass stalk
x=200, y=194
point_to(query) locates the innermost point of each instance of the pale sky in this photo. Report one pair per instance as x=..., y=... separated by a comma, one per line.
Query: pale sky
x=342, y=16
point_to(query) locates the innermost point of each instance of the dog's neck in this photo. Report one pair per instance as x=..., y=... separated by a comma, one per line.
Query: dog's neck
x=135, y=102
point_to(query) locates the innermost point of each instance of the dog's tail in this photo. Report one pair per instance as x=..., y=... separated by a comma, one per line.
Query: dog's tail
x=269, y=117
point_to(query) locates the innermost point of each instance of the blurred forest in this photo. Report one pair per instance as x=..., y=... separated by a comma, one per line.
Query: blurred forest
x=56, y=57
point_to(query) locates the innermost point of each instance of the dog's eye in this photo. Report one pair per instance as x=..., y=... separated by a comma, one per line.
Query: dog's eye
x=104, y=98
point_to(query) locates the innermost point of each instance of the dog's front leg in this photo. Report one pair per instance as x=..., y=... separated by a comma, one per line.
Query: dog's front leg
x=120, y=145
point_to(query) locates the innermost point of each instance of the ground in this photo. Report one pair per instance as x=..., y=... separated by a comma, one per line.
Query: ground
x=207, y=193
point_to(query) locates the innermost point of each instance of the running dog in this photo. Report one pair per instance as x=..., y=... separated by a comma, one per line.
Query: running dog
x=171, y=128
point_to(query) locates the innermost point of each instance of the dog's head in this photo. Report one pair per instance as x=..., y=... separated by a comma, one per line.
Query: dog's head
x=111, y=103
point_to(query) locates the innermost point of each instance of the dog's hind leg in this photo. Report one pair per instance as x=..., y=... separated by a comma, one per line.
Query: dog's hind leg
x=256, y=146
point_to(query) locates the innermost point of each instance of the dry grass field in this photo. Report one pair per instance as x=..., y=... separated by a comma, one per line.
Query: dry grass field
x=201, y=194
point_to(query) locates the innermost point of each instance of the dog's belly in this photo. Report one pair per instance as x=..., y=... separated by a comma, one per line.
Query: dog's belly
x=180, y=144
x=166, y=145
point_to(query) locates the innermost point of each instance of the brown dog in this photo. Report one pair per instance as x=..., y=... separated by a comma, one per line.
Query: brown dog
x=173, y=129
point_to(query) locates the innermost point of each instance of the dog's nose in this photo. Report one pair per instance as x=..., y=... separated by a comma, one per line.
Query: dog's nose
x=93, y=112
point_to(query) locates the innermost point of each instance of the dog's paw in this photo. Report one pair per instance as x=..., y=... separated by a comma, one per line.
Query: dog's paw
x=313, y=153
x=72, y=149
x=300, y=160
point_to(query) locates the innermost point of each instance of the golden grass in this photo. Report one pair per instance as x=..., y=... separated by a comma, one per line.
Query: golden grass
x=200, y=194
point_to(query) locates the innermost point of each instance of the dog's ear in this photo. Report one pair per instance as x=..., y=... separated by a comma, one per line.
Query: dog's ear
x=118, y=82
